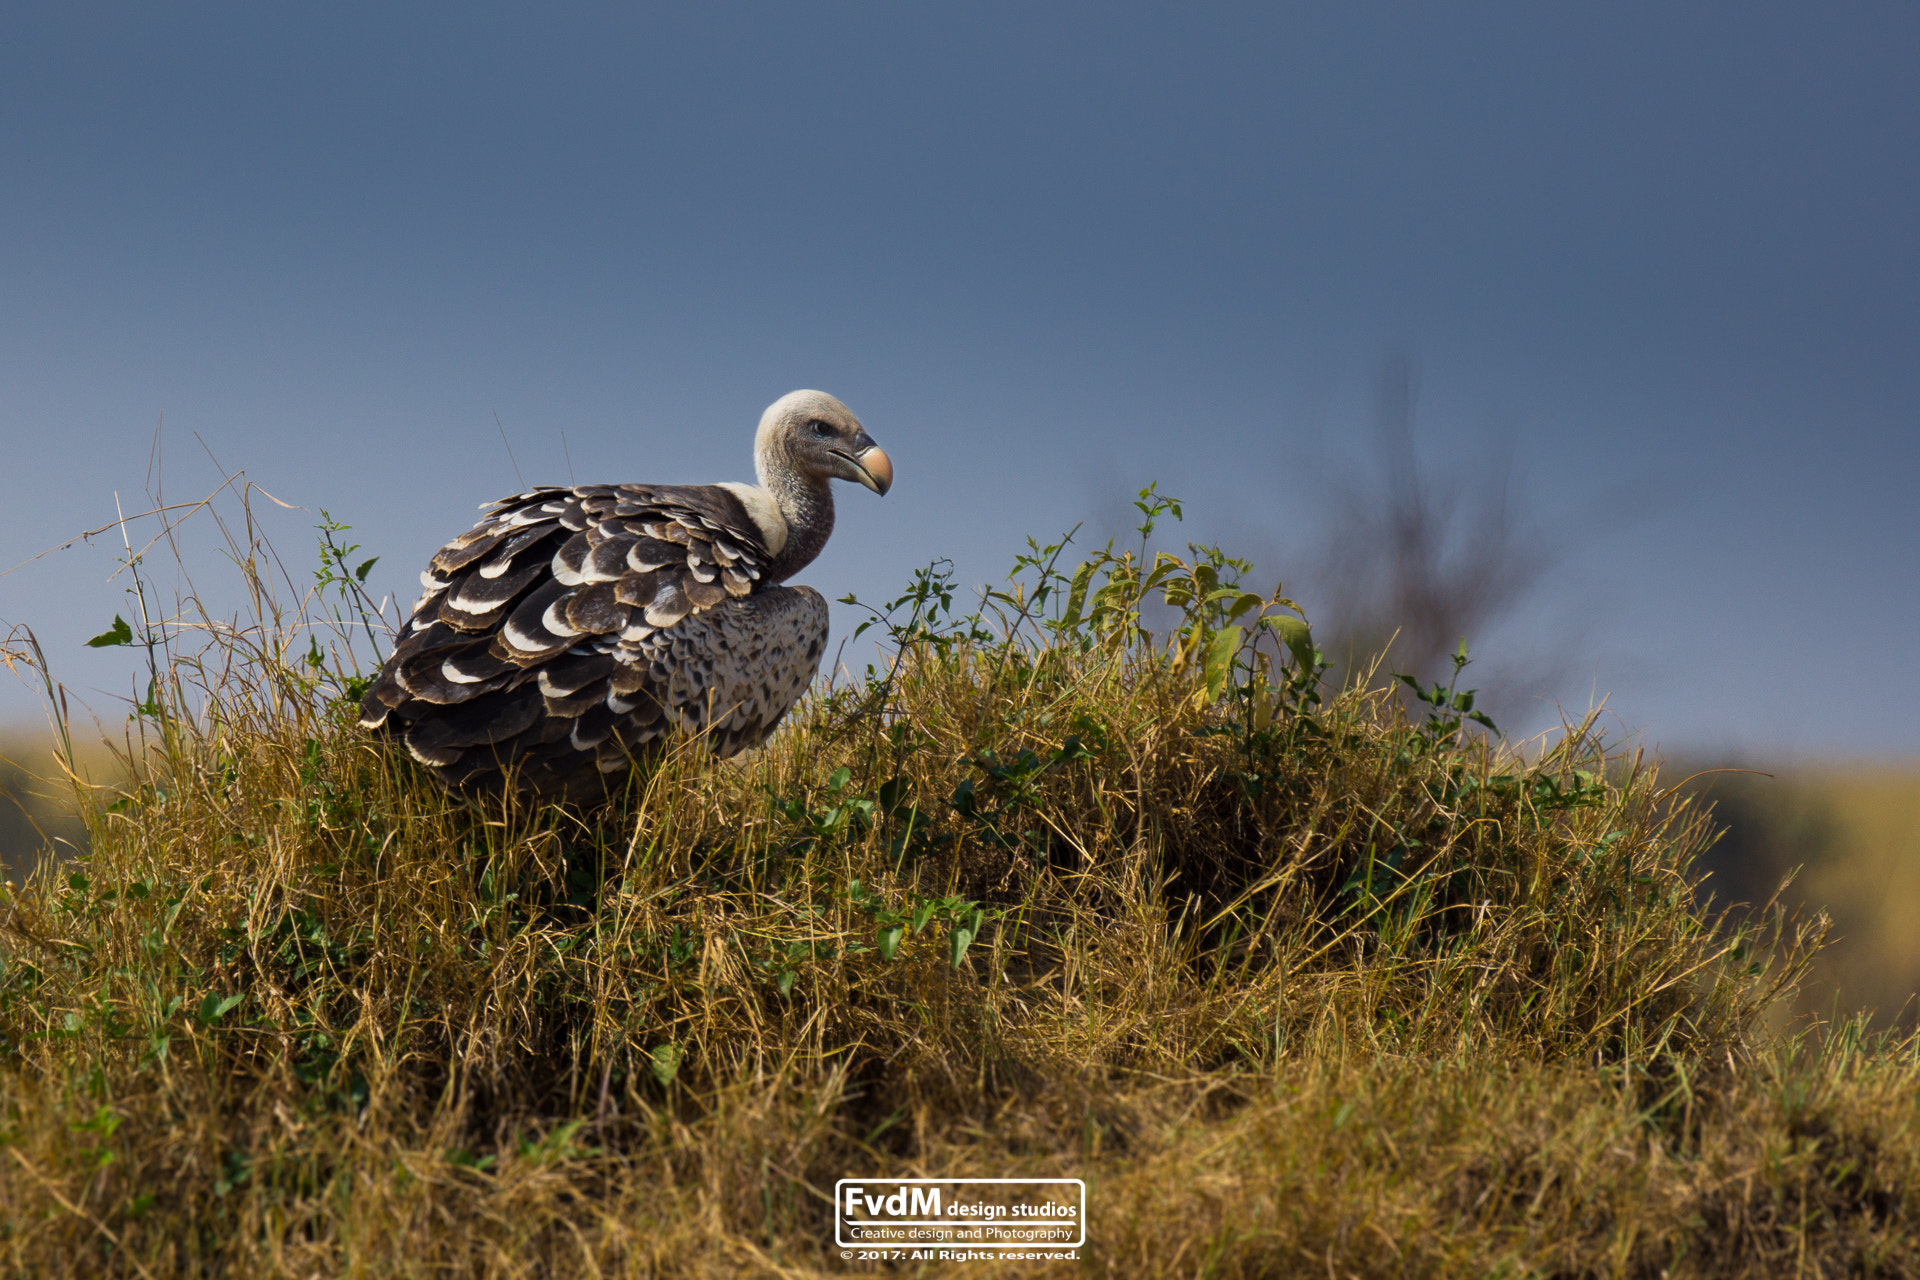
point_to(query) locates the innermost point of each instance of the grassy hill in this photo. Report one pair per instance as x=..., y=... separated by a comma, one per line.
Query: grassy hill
x=1297, y=984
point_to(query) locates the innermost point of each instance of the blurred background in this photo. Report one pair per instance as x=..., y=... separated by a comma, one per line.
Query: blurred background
x=1591, y=336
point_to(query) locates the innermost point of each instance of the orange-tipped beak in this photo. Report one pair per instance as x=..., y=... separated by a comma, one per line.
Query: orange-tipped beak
x=875, y=468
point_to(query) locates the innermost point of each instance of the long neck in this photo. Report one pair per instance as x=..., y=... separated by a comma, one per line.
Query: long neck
x=807, y=504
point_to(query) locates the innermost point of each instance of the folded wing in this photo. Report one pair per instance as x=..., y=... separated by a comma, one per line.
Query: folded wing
x=570, y=631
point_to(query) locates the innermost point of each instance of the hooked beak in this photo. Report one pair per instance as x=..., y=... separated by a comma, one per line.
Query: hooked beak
x=873, y=468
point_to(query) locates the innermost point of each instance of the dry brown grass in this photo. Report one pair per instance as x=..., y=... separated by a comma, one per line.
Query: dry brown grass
x=1296, y=988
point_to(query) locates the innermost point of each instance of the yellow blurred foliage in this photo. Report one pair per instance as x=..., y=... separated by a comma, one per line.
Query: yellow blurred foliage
x=1853, y=834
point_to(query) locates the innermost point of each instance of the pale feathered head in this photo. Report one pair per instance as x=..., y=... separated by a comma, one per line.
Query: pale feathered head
x=812, y=433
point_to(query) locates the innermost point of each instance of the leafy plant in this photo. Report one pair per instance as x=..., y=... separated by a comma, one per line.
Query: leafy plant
x=1447, y=711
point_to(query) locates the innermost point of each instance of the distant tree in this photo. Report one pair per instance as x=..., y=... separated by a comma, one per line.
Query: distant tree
x=1412, y=563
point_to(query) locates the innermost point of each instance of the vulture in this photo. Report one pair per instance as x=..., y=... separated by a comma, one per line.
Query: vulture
x=571, y=631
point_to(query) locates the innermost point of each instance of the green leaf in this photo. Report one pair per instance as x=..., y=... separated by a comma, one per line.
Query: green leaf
x=922, y=914
x=838, y=780
x=889, y=940
x=1077, y=596
x=118, y=633
x=965, y=799
x=665, y=1063
x=360, y=574
x=1164, y=565
x=1299, y=640
x=958, y=941
x=1244, y=602
x=217, y=1006
x=1219, y=663
x=104, y=1122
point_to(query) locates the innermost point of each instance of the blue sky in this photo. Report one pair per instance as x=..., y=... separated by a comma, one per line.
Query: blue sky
x=1659, y=258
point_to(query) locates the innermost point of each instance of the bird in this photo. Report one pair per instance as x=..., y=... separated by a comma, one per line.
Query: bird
x=574, y=631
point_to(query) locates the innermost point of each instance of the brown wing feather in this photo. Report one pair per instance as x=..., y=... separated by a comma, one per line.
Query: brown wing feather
x=571, y=630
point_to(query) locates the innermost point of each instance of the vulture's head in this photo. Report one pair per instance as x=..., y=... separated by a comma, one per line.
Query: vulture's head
x=811, y=433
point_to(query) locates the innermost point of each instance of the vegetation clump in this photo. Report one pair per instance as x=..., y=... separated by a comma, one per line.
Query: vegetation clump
x=1100, y=880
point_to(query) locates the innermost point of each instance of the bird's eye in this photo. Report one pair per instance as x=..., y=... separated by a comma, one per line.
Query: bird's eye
x=820, y=428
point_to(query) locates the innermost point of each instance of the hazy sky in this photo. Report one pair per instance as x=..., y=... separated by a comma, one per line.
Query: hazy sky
x=1665, y=258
